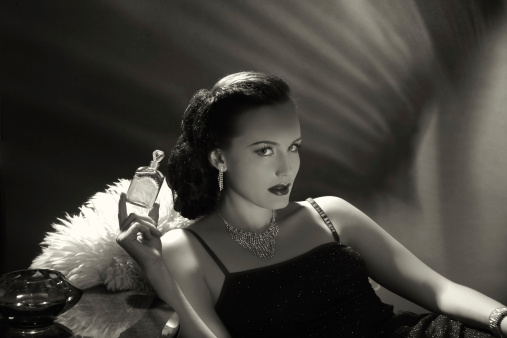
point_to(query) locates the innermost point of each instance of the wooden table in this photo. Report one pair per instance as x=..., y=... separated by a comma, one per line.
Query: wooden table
x=100, y=313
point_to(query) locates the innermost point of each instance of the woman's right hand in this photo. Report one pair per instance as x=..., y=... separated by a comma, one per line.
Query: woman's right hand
x=139, y=235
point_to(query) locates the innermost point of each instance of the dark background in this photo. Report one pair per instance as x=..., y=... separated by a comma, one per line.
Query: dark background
x=90, y=88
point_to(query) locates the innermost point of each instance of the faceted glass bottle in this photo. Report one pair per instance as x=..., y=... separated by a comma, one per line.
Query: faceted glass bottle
x=146, y=184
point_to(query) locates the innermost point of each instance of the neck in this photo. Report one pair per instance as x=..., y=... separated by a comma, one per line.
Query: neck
x=244, y=215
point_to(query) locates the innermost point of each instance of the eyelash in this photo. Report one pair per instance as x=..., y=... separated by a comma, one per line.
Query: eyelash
x=298, y=147
x=264, y=148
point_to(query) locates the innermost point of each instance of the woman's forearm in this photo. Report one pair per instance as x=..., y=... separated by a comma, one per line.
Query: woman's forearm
x=468, y=306
x=168, y=290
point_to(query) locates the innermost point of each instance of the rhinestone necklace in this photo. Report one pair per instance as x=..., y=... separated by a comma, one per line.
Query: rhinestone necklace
x=261, y=245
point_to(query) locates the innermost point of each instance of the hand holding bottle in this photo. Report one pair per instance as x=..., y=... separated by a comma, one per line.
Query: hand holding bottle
x=139, y=235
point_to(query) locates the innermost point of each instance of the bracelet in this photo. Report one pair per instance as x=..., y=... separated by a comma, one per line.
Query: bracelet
x=495, y=318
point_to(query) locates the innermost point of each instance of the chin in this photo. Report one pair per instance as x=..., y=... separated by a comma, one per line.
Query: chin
x=280, y=202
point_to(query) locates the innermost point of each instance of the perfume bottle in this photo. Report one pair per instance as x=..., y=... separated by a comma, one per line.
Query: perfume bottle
x=146, y=184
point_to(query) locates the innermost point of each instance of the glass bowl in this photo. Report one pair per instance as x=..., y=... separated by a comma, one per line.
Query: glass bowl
x=34, y=298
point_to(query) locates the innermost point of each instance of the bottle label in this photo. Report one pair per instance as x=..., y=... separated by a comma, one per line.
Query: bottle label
x=143, y=191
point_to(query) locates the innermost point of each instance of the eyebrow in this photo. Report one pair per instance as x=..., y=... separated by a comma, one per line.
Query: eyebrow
x=272, y=143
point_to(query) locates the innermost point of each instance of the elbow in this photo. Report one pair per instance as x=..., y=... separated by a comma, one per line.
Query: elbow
x=445, y=297
x=433, y=295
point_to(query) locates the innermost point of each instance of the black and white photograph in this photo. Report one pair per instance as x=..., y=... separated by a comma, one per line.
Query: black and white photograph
x=195, y=168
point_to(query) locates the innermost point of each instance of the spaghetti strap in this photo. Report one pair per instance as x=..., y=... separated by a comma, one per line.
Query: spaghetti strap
x=325, y=218
x=210, y=252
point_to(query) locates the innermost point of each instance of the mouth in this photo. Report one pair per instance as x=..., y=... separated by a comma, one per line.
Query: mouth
x=280, y=189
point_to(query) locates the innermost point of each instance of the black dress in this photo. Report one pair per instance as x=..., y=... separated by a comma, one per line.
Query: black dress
x=324, y=292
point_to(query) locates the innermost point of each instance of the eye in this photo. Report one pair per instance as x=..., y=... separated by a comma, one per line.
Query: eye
x=295, y=148
x=265, y=151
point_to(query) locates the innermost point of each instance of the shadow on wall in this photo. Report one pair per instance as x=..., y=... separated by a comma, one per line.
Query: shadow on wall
x=455, y=220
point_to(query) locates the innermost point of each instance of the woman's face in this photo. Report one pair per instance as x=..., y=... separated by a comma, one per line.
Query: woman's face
x=263, y=160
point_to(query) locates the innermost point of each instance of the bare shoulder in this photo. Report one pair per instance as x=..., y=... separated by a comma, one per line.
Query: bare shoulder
x=337, y=208
x=348, y=219
x=181, y=239
x=333, y=207
x=331, y=202
x=179, y=249
x=175, y=240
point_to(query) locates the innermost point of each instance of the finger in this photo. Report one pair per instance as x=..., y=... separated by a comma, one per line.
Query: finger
x=131, y=218
x=146, y=221
x=122, y=209
x=136, y=217
x=142, y=233
x=154, y=213
x=129, y=235
x=145, y=232
x=133, y=234
x=151, y=227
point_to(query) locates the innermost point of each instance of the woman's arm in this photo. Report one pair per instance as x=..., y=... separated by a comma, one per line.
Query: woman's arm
x=191, y=322
x=180, y=258
x=397, y=269
x=141, y=239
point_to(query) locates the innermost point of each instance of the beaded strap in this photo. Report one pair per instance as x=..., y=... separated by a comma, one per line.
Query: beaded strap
x=324, y=217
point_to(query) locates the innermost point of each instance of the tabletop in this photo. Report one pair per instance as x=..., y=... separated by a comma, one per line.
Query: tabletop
x=100, y=313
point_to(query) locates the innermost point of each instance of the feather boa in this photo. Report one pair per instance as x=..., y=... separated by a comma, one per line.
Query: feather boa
x=83, y=247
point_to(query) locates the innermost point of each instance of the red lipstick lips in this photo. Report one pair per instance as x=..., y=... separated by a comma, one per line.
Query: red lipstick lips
x=280, y=189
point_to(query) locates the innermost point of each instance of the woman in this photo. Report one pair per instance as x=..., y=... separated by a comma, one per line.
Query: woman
x=255, y=264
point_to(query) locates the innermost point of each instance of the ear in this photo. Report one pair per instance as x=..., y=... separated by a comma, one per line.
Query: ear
x=216, y=158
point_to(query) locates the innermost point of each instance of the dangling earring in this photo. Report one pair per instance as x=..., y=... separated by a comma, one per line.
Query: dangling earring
x=221, y=178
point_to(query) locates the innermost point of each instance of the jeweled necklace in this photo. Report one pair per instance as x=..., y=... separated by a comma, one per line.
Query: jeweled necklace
x=261, y=245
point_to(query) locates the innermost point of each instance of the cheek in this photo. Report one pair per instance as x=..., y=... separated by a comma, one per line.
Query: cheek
x=296, y=163
x=246, y=173
x=257, y=172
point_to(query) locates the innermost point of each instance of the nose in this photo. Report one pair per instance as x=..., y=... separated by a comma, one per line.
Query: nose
x=284, y=166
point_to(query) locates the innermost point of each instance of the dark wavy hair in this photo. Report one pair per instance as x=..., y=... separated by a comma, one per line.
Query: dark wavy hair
x=209, y=123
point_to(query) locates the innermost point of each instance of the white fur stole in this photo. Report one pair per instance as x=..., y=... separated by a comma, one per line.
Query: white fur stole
x=83, y=247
